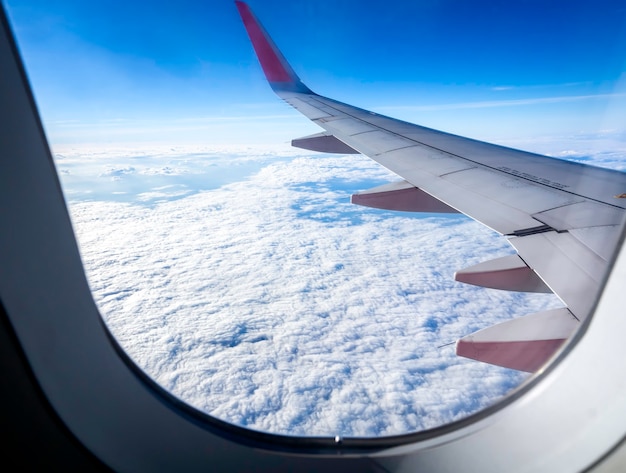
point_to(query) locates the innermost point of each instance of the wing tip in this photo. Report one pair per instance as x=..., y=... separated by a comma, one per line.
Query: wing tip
x=278, y=72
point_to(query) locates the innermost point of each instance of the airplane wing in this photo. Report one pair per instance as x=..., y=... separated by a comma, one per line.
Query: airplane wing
x=563, y=218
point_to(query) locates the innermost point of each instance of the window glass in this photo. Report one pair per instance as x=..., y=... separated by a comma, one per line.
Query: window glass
x=232, y=267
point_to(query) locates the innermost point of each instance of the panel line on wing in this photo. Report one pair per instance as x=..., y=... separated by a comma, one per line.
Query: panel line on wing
x=531, y=231
x=395, y=149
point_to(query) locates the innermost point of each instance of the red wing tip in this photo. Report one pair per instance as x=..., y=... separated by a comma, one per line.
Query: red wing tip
x=277, y=70
x=241, y=6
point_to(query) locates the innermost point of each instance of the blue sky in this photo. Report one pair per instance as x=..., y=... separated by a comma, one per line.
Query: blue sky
x=185, y=72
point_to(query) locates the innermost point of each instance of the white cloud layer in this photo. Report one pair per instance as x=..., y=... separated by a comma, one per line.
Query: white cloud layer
x=246, y=284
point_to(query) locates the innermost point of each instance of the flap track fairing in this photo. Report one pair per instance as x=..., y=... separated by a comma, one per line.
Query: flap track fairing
x=324, y=142
x=509, y=273
x=524, y=344
x=402, y=196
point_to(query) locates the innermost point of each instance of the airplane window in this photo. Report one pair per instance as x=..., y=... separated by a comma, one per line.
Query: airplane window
x=233, y=268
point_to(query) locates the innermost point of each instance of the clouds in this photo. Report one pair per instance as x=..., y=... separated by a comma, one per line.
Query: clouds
x=271, y=302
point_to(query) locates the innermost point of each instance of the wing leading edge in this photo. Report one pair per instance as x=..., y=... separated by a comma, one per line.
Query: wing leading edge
x=562, y=218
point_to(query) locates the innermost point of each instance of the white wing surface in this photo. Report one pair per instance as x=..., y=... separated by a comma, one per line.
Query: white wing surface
x=563, y=218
